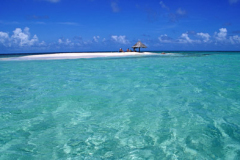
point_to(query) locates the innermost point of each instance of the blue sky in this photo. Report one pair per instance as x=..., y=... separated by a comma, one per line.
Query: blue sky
x=107, y=25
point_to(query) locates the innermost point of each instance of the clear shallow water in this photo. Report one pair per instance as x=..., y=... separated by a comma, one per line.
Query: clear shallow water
x=185, y=106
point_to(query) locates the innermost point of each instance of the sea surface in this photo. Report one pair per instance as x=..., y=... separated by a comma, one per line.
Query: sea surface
x=178, y=106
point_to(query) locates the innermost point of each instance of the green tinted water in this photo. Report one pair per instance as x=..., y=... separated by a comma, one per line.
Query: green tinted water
x=162, y=107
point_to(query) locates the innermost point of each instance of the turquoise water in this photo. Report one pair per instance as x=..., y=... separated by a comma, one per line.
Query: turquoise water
x=181, y=106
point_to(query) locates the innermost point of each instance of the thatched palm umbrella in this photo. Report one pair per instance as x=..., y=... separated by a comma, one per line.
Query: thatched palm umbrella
x=139, y=45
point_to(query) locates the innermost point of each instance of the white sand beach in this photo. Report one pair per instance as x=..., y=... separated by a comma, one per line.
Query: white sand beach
x=54, y=56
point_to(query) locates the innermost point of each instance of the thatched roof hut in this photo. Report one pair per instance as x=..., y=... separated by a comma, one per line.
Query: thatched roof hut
x=139, y=45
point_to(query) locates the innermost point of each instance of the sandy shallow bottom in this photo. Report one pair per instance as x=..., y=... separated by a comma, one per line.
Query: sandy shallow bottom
x=180, y=107
x=77, y=55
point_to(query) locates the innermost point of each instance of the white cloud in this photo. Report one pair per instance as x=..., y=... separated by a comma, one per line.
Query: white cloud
x=235, y=39
x=42, y=43
x=163, y=5
x=95, y=39
x=205, y=36
x=33, y=40
x=181, y=12
x=233, y=1
x=222, y=35
x=185, y=38
x=120, y=39
x=165, y=39
x=65, y=42
x=53, y=1
x=68, y=41
x=20, y=38
x=60, y=41
x=4, y=38
x=115, y=7
x=3, y=35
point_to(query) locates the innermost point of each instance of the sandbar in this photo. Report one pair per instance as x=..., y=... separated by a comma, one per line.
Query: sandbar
x=55, y=56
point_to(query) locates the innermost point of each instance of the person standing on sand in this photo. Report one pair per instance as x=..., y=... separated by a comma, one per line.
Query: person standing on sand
x=120, y=50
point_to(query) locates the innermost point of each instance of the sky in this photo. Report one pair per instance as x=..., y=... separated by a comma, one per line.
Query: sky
x=34, y=26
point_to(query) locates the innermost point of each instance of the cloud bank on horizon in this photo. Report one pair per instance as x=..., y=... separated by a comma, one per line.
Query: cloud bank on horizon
x=109, y=25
